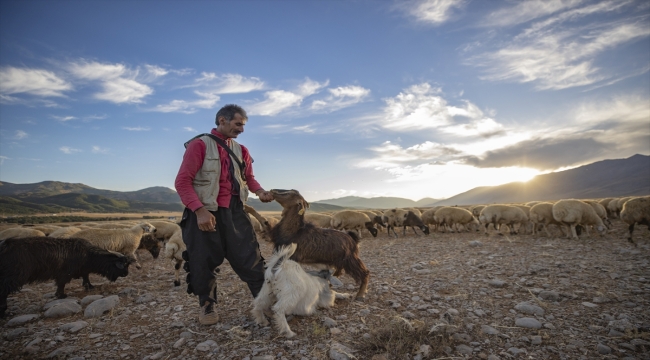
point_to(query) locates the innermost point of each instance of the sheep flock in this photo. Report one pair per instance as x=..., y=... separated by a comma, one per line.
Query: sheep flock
x=566, y=220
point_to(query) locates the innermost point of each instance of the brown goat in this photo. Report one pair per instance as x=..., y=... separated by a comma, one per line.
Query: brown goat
x=316, y=245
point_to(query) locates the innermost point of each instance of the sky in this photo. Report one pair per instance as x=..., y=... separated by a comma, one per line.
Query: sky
x=412, y=99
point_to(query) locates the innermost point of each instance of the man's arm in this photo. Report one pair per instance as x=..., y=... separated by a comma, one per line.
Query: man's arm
x=252, y=183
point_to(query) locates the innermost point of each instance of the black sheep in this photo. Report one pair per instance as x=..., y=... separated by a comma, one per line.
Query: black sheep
x=38, y=259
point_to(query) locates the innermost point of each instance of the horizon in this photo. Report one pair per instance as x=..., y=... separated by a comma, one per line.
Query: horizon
x=398, y=98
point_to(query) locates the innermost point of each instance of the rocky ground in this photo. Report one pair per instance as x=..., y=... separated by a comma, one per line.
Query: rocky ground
x=444, y=296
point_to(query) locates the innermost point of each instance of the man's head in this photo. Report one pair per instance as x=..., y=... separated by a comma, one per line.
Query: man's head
x=230, y=120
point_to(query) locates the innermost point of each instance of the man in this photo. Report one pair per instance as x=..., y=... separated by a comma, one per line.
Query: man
x=213, y=184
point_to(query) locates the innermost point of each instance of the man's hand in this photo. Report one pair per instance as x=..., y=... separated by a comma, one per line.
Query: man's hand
x=205, y=220
x=265, y=196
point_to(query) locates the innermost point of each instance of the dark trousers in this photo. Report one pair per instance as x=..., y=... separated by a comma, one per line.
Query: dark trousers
x=234, y=239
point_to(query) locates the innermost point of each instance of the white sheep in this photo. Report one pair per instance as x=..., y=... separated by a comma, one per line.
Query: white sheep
x=526, y=210
x=164, y=229
x=352, y=220
x=573, y=212
x=600, y=211
x=125, y=241
x=503, y=214
x=542, y=213
x=46, y=229
x=65, y=232
x=612, y=208
x=394, y=218
x=429, y=219
x=174, y=251
x=319, y=220
x=476, y=210
x=452, y=217
x=636, y=211
x=19, y=233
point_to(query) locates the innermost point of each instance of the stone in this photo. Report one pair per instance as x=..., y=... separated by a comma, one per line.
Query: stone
x=15, y=333
x=489, y=330
x=144, y=298
x=57, y=302
x=497, y=283
x=73, y=327
x=206, y=345
x=549, y=295
x=529, y=323
x=589, y=305
x=63, y=309
x=89, y=299
x=98, y=307
x=464, y=349
x=22, y=319
x=340, y=352
x=603, y=349
x=530, y=309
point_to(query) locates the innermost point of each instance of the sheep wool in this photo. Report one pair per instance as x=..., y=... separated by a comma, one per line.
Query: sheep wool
x=636, y=211
x=503, y=214
x=19, y=233
x=573, y=212
x=125, y=241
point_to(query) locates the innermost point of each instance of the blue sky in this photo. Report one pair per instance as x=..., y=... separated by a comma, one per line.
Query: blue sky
x=369, y=98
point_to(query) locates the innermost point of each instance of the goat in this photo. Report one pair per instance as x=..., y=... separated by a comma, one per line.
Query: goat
x=316, y=245
x=38, y=259
x=288, y=289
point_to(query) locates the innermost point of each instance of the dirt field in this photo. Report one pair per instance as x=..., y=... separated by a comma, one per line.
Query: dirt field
x=443, y=296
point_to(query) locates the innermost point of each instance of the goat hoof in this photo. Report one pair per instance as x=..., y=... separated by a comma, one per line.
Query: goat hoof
x=177, y=283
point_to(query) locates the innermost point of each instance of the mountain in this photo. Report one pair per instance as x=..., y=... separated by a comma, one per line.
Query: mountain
x=156, y=194
x=357, y=202
x=607, y=178
x=274, y=206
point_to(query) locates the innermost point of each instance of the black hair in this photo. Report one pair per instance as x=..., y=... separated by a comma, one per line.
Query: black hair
x=229, y=111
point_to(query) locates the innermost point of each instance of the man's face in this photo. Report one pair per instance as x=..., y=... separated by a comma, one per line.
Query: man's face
x=232, y=128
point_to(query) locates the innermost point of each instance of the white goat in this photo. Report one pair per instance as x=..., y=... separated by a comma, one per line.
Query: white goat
x=288, y=289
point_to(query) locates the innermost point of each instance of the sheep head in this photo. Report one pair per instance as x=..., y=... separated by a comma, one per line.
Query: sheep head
x=289, y=199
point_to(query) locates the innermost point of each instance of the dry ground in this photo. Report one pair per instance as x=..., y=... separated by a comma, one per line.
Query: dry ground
x=443, y=296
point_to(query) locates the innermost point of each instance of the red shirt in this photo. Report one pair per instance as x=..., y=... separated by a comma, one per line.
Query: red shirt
x=192, y=162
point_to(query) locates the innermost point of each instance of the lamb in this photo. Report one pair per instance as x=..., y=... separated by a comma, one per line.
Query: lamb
x=38, y=259
x=288, y=289
x=352, y=220
x=125, y=241
x=174, y=251
x=319, y=220
x=317, y=246
x=542, y=213
x=19, y=233
x=454, y=216
x=573, y=212
x=502, y=214
x=636, y=210
x=64, y=232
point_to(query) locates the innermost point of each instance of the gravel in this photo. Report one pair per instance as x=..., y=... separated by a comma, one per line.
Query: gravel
x=492, y=297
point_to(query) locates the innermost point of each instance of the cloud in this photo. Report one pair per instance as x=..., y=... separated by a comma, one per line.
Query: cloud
x=562, y=51
x=63, y=118
x=422, y=107
x=118, y=83
x=278, y=101
x=389, y=155
x=3, y=158
x=68, y=150
x=138, y=128
x=525, y=11
x=20, y=135
x=229, y=83
x=340, y=97
x=433, y=12
x=99, y=150
x=205, y=101
x=544, y=153
x=189, y=129
x=32, y=81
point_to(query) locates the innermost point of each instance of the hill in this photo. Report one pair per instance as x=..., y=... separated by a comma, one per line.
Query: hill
x=357, y=202
x=607, y=178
